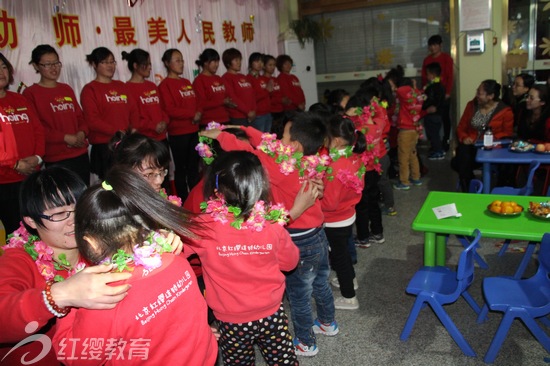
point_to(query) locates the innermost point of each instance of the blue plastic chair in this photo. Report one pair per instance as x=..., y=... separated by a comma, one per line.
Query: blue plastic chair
x=438, y=286
x=526, y=190
x=528, y=300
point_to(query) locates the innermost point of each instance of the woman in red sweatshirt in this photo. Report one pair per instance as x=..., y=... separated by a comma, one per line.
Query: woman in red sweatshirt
x=293, y=94
x=179, y=101
x=60, y=114
x=275, y=95
x=212, y=97
x=21, y=145
x=107, y=108
x=260, y=83
x=239, y=89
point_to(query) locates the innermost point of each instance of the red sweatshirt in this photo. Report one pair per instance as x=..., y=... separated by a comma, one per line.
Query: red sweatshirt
x=238, y=263
x=241, y=92
x=291, y=88
x=211, y=94
x=21, y=303
x=162, y=321
x=263, y=102
x=107, y=109
x=446, y=62
x=343, y=192
x=410, y=107
x=23, y=135
x=147, y=98
x=60, y=114
x=276, y=96
x=284, y=188
x=178, y=100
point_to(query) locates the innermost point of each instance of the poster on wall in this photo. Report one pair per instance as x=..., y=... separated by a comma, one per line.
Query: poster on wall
x=474, y=15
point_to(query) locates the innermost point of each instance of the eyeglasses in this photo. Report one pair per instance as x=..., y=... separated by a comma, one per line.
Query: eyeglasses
x=57, y=217
x=107, y=62
x=50, y=65
x=153, y=176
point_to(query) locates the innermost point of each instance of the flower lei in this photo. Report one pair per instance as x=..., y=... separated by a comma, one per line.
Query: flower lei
x=42, y=255
x=172, y=198
x=348, y=179
x=361, y=120
x=146, y=254
x=414, y=106
x=260, y=215
x=289, y=160
x=204, y=147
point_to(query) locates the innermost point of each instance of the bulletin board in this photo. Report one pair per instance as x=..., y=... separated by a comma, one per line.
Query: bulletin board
x=474, y=15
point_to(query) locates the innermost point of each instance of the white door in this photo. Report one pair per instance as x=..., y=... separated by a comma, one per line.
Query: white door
x=304, y=68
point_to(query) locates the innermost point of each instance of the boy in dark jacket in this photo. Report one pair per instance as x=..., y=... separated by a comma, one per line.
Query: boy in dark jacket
x=433, y=106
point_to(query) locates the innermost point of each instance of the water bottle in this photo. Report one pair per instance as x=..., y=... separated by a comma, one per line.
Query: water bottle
x=488, y=139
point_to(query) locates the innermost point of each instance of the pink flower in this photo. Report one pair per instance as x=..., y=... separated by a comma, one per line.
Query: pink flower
x=147, y=256
x=46, y=269
x=175, y=200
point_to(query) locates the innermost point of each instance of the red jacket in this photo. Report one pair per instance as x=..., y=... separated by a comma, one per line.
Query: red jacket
x=291, y=88
x=241, y=92
x=164, y=315
x=60, y=114
x=284, y=188
x=21, y=133
x=238, y=263
x=211, y=93
x=501, y=123
x=263, y=101
x=21, y=303
x=343, y=192
x=147, y=98
x=446, y=62
x=107, y=109
x=179, y=101
x=410, y=107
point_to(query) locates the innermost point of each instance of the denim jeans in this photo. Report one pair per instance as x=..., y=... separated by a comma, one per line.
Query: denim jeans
x=263, y=123
x=310, y=278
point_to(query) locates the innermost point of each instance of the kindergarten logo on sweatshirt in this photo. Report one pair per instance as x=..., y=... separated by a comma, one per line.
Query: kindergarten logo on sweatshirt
x=14, y=116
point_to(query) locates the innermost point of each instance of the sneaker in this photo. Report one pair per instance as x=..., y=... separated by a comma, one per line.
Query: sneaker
x=390, y=211
x=416, y=182
x=344, y=303
x=303, y=349
x=326, y=329
x=334, y=282
x=402, y=187
x=436, y=156
x=362, y=243
x=376, y=239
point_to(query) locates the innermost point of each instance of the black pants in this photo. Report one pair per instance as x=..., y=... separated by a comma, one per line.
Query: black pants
x=464, y=164
x=101, y=160
x=432, y=124
x=186, y=162
x=80, y=165
x=340, y=259
x=9, y=203
x=369, y=216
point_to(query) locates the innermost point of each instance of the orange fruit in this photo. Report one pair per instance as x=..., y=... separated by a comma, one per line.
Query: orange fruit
x=495, y=208
x=496, y=202
x=507, y=209
x=517, y=209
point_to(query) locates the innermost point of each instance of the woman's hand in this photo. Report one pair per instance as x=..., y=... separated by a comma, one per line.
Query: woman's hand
x=89, y=288
x=27, y=166
x=161, y=127
x=174, y=240
x=468, y=141
x=213, y=133
x=305, y=198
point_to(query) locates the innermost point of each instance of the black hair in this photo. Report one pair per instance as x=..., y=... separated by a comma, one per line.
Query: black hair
x=435, y=39
x=240, y=178
x=255, y=56
x=229, y=55
x=528, y=79
x=434, y=68
x=309, y=130
x=280, y=61
x=46, y=189
x=10, y=69
x=362, y=98
x=491, y=86
x=98, y=54
x=131, y=149
x=167, y=56
x=320, y=108
x=121, y=212
x=40, y=51
x=208, y=55
x=372, y=82
x=334, y=98
x=343, y=127
x=137, y=56
x=406, y=82
x=266, y=58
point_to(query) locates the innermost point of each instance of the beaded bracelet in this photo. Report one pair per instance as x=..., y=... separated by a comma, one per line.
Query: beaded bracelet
x=50, y=303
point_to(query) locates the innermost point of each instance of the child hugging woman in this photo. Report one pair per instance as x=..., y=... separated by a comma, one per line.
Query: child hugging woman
x=243, y=249
x=163, y=320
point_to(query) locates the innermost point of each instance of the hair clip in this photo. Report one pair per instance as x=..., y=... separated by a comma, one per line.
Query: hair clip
x=117, y=143
x=217, y=181
x=106, y=186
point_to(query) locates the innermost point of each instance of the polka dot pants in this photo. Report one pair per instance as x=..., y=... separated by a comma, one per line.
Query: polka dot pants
x=270, y=334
